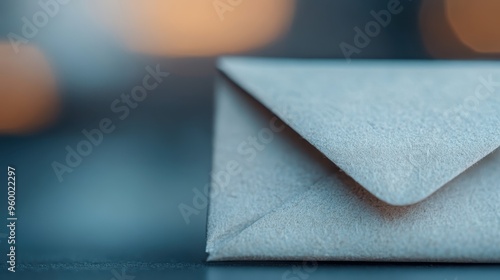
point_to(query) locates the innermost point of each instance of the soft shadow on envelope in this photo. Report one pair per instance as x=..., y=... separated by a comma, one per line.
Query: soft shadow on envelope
x=351, y=175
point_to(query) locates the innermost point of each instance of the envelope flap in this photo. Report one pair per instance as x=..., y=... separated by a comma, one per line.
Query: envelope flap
x=402, y=129
x=336, y=220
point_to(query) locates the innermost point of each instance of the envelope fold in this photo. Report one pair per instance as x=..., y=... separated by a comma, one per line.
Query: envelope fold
x=272, y=168
x=402, y=129
x=286, y=192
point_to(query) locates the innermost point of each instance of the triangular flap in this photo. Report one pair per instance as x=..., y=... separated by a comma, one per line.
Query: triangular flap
x=402, y=129
x=338, y=220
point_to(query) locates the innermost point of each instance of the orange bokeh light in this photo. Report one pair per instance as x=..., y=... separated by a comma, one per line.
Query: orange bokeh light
x=27, y=90
x=195, y=28
x=476, y=23
x=437, y=34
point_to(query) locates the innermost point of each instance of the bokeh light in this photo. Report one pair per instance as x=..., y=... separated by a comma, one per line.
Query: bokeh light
x=195, y=28
x=476, y=23
x=29, y=101
x=437, y=35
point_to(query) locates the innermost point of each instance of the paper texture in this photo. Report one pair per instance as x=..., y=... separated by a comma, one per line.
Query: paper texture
x=401, y=129
x=287, y=201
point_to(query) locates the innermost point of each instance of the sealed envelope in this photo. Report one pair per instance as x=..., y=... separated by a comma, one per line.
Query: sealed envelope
x=368, y=161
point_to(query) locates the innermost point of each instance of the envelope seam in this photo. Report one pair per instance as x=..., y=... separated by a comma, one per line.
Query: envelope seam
x=227, y=237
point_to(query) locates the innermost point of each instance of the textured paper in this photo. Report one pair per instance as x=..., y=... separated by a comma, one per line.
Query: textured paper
x=401, y=129
x=289, y=202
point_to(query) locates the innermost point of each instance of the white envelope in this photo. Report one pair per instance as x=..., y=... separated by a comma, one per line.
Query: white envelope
x=374, y=161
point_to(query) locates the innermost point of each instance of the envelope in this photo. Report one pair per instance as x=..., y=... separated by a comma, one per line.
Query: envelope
x=370, y=160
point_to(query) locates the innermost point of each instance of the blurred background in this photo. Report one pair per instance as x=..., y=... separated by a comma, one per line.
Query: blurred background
x=64, y=63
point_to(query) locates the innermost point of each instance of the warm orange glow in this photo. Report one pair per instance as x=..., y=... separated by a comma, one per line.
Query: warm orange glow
x=438, y=36
x=476, y=23
x=28, y=100
x=196, y=28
